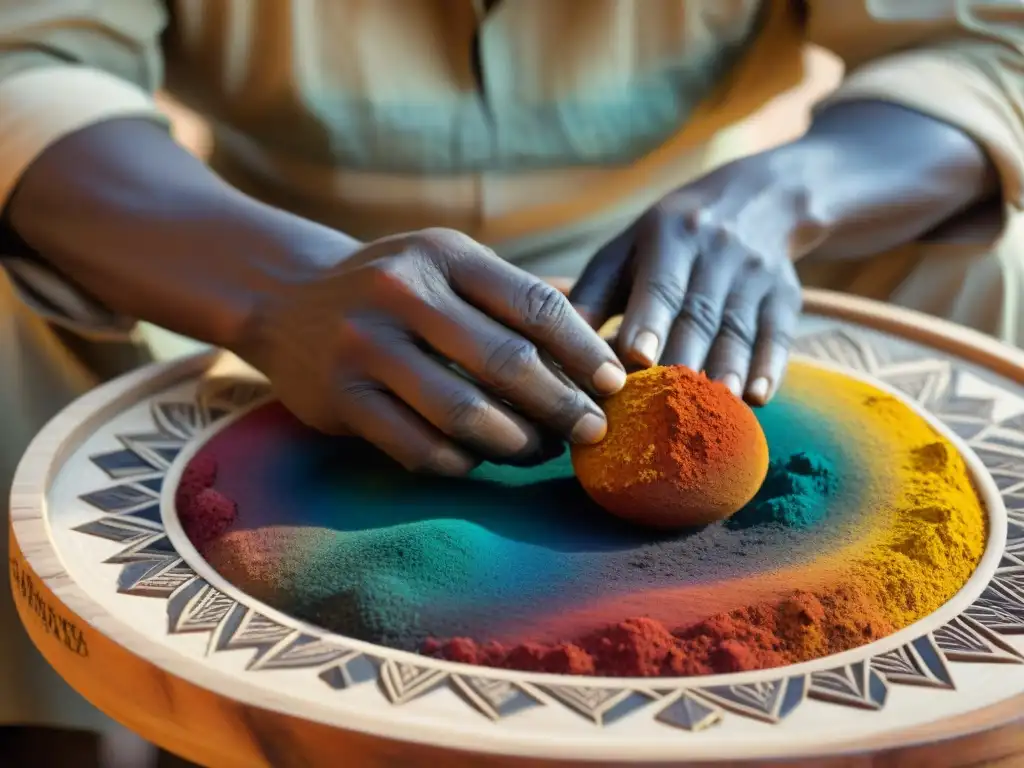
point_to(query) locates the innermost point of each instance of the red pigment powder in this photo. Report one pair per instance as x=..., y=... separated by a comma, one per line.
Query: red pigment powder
x=204, y=513
x=801, y=627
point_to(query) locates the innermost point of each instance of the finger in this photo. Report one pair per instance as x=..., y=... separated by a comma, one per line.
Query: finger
x=664, y=258
x=454, y=404
x=377, y=417
x=779, y=315
x=700, y=315
x=539, y=312
x=508, y=365
x=729, y=358
x=602, y=289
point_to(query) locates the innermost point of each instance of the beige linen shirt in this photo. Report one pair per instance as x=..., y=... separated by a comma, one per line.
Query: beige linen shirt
x=370, y=115
x=540, y=127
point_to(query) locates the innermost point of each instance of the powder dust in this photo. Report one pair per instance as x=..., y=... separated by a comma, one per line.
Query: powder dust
x=932, y=539
x=897, y=535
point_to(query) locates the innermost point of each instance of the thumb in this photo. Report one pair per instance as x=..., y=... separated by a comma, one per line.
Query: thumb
x=602, y=289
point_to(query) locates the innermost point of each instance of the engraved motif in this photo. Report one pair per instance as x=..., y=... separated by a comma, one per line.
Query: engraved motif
x=771, y=701
x=297, y=650
x=602, y=705
x=197, y=607
x=161, y=578
x=402, y=682
x=124, y=530
x=183, y=420
x=119, y=498
x=244, y=627
x=494, y=698
x=151, y=568
x=917, y=663
x=964, y=639
x=354, y=669
x=122, y=464
x=157, y=448
x=855, y=685
x=689, y=714
x=838, y=347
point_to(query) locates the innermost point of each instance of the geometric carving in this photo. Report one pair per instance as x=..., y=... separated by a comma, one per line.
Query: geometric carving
x=246, y=628
x=964, y=639
x=402, y=682
x=353, y=670
x=197, y=607
x=183, y=420
x=493, y=698
x=855, y=685
x=997, y=616
x=920, y=662
x=122, y=464
x=839, y=347
x=155, y=578
x=600, y=705
x=124, y=530
x=119, y=498
x=925, y=383
x=149, y=567
x=156, y=546
x=298, y=650
x=770, y=701
x=157, y=448
x=689, y=714
x=1007, y=586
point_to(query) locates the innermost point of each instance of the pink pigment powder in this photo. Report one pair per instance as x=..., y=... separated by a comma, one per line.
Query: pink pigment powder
x=204, y=513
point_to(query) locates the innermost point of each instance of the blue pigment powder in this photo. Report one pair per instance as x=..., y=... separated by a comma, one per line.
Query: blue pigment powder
x=332, y=532
x=794, y=493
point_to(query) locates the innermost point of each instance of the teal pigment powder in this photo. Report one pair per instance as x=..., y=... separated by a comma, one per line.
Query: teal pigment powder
x=792, y=494
x=333, y=533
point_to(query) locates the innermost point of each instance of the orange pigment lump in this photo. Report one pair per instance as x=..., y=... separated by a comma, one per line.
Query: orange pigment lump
x=681, y=450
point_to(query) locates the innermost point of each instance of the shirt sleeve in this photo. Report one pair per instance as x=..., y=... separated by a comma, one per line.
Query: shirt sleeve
x=960, y=61
x=66, y=65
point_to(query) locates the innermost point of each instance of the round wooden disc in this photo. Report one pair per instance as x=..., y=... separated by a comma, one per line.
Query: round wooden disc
x=125, y=610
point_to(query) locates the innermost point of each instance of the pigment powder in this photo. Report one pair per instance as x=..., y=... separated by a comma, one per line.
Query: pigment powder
x=204, y=512
x=681, y=450
x=866, y=521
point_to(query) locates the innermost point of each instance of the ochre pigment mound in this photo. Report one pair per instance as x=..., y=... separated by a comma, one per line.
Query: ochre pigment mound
x=681, y=450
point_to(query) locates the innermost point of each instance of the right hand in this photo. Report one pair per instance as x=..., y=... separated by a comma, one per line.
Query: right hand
x=367, y=348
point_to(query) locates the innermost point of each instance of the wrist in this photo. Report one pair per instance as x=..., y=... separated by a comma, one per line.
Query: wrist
x=799, y=177
x=883, y=175
x=277, y=251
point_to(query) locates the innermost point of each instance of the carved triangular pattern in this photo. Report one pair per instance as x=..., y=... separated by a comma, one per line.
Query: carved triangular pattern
x=194, y=606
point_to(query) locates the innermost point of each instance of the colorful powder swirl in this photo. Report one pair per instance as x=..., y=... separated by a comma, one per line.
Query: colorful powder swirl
x=866, y=522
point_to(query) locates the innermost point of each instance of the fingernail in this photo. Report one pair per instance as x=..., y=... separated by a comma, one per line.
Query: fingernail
x=759, y=389
x=733, y=384
x=609, y=379
x=452, y=463
x=646, y=347
x=589, y=429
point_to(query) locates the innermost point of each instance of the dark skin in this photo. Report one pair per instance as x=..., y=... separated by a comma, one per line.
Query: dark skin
x=706, y=278
x=360, y=338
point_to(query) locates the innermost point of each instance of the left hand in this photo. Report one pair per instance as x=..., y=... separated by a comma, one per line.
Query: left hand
x=706, y=278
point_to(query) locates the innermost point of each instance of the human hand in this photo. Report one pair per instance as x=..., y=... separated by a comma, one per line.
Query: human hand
x=368, y=347
x=706, y=278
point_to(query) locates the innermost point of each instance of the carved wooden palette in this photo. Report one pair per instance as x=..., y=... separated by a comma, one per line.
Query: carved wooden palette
x=125, y=609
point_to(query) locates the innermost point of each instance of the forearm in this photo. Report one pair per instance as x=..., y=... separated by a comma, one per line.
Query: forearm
x=880, y=175
x=152, y=233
